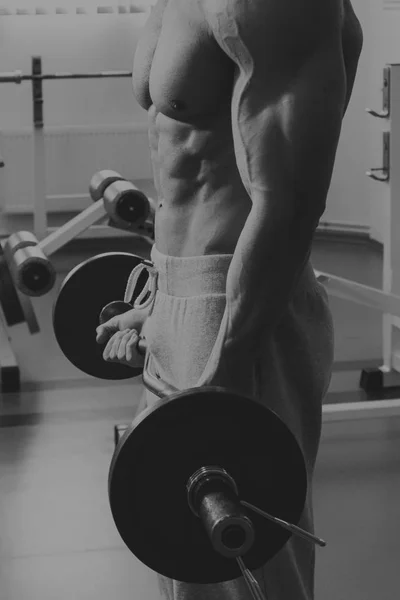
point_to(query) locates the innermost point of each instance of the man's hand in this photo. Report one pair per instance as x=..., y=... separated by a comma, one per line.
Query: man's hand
x=133, y=319
x=122, y=348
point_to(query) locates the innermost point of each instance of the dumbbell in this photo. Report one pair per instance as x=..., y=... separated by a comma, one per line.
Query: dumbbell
x=127, y=206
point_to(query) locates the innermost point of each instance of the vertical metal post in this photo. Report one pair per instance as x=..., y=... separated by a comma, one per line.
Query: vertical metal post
x=393, y=228
x=39, y=166
x=2, y=165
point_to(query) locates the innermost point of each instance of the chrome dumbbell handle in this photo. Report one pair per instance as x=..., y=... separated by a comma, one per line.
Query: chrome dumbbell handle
x=151, y=382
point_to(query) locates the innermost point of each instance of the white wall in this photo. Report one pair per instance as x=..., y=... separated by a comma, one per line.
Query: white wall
x=348, y=197
x=107, y=42
x=385, y=17
x=70, y=43
x=102, y=119
x=354, y=196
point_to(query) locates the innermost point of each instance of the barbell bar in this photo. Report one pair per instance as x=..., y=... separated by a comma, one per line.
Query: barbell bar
x=169, y=505
x=18, y=77
x=87, y=354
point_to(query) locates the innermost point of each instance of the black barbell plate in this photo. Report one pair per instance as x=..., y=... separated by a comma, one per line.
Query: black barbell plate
x=166, y=444
x=83, y=294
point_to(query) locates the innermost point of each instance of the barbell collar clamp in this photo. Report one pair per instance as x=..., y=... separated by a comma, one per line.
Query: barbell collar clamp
x=212, y=496
x=199, y=476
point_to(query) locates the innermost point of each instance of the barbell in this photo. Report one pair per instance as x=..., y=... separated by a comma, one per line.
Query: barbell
x=205, y=485
x=18, y=77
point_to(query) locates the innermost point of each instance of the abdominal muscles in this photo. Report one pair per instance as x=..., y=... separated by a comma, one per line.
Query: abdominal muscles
x=203, y=204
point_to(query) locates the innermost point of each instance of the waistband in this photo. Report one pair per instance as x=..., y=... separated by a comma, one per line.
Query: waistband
x=191, y=275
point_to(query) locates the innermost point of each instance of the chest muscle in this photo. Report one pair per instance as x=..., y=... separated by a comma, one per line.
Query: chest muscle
x=178, y=65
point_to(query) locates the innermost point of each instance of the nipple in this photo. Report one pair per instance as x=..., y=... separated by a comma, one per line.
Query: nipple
x=177, y=105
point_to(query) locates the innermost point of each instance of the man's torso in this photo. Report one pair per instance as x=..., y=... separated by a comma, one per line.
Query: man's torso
x=184, y=80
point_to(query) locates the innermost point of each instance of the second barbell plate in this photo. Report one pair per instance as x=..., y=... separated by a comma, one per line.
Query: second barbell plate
x=83, y=294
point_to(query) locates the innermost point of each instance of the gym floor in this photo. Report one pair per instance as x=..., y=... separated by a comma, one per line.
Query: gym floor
x=57, y=537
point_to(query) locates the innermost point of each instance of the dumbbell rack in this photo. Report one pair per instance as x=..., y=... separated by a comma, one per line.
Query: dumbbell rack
x=23, y=251
x=27, y=246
